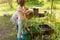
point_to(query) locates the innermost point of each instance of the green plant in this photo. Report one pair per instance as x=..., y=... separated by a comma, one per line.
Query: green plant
x=35, y=30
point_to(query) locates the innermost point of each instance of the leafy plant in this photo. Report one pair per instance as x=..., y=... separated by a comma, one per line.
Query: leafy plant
x=34, y=29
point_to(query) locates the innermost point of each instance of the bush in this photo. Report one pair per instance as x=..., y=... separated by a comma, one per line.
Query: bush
x=36, y=2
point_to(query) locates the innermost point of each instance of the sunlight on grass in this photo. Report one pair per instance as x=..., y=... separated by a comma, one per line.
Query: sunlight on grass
x=57, y=16
x=58, y=6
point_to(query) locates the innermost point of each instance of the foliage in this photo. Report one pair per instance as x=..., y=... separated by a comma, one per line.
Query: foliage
x=36, y=2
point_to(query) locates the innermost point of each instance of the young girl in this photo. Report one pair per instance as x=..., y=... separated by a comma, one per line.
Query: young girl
x=19, y=18
x=21, y=35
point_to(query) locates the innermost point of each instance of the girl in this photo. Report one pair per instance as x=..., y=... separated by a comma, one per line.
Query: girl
x=21, y=35
x=19, y=18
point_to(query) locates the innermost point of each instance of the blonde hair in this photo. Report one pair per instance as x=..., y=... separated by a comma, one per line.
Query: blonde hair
x=29, y=14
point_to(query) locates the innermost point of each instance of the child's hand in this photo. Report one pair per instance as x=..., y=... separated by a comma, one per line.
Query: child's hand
x=21, y=11
x=25, y=8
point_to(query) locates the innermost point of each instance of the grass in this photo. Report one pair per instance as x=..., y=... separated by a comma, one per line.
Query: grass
x=5, y=23
x=7, y=29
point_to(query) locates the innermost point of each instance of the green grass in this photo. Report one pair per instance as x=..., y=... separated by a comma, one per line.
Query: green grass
x=8, y=28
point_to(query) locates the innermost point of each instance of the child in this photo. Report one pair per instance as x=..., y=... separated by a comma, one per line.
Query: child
x=19, y=18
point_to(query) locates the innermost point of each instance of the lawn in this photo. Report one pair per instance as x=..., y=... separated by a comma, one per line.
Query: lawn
x=8, y=30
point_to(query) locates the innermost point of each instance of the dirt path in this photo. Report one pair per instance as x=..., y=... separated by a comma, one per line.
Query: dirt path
x=7, y=30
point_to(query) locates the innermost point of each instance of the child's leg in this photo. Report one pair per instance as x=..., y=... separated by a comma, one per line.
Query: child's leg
x=24, y=36
x=19, y=38
x=19, y=30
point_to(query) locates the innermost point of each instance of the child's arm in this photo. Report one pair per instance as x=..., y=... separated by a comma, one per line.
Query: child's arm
x=26, y=8
x=19, y=9
x=14, y=18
